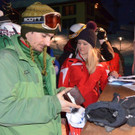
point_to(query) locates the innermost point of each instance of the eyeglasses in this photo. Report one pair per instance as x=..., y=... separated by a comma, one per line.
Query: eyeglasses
x=50, y=21
x=77, y=33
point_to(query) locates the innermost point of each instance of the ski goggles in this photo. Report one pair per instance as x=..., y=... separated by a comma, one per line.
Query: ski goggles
x=49, y=21
x=77, y=33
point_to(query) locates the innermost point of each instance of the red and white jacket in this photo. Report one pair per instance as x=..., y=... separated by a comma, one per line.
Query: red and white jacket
x=74, y=73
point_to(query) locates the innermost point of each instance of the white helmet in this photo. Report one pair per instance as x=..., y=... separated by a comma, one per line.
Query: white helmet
x=75, y=29
x=10, y=29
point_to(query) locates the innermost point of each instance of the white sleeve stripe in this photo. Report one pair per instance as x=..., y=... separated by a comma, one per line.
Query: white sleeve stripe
x=64, y=71
x=100, y=65
x=74, y=64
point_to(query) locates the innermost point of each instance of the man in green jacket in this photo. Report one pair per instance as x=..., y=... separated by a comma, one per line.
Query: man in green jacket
x=29, y=103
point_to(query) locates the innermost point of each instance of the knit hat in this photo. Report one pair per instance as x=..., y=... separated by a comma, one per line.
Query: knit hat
x=33, y=19
x=88, y=34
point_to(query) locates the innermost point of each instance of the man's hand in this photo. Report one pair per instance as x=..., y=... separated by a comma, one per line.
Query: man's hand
x=65, y=105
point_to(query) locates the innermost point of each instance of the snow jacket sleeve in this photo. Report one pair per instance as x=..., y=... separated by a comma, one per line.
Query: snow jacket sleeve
x=90, y=90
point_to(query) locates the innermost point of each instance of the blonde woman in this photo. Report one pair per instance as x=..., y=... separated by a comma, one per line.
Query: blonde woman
x=84, y=71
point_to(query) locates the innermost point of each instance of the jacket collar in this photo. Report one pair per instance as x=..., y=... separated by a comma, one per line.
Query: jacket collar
x=22, y=56
x=78, y=56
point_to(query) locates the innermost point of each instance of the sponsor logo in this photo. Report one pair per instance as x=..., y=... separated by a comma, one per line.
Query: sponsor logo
x=32, y=19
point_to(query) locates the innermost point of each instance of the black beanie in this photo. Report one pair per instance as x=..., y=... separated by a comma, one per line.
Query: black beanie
x=88, y=34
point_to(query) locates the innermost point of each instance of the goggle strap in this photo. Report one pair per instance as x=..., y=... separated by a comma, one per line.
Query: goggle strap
x=37, y=20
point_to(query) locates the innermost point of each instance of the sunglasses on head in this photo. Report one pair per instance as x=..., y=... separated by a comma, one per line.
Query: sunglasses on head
x=50, y=21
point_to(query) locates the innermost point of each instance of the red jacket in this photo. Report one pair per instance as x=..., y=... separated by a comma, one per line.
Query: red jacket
x=74, y=73
x=114, y=63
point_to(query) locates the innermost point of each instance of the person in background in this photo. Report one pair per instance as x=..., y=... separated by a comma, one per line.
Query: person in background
x=3, y=18
x=117, y=63
x=114, y=65
x=106, y=50
x=9, y=29
x=29, y=101
x=85, y=71
x=56, y=63
x=70, y=48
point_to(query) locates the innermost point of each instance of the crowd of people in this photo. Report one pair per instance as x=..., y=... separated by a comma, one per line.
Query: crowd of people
x=31, y=101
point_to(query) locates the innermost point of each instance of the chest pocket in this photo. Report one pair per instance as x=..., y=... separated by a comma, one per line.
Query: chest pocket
x=79, y=73
x=29, y=73
x=30, y=81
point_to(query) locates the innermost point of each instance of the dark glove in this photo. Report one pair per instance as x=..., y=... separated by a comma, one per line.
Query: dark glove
x=101, y=33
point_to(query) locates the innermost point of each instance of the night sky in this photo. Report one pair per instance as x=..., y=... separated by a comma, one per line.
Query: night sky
x=123, y=10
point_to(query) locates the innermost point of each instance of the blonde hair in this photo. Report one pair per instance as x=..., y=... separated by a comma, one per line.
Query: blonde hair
x=92, y=60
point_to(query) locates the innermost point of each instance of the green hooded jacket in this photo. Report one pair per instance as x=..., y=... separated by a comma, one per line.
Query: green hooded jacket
x=28, y=101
